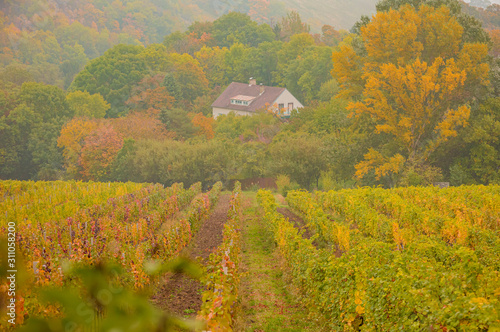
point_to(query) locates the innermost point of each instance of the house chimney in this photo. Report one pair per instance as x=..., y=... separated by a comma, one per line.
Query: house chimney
x=261, y=88
x=252, y=81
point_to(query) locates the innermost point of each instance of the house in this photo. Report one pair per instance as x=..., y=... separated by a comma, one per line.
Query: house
x=247, y=99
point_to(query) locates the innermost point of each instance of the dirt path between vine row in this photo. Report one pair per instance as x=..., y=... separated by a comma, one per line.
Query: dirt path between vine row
x=296, y=220
x=268, y=300
x=180, y=294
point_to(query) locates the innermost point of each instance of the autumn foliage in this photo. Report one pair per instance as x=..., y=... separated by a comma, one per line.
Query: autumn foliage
x=72, y=140
x=99, y=151
x=204, y=124
x=91, y=144
x=149, y=94
x=414, y=79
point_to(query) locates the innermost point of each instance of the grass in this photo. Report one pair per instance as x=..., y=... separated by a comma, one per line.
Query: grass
x=267, y=300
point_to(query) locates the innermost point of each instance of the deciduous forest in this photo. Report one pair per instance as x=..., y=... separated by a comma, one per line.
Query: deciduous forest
x=407, y=97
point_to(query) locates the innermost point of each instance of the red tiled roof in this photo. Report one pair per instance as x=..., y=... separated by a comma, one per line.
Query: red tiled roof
x=234, y=89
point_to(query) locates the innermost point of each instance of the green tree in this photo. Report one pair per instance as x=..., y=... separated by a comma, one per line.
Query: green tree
x=177, y=120
x=237, y=27
x=262, y=62
x=301, y=157
x=236, y=61
x=31, y=129
x=213, y=64
x=84, y=104
x=112, y=76
x=75, y=61
x=173, y=88
x=291, y=51
x=477, y=149
x=189, y=77
x=48, y=102
x=47, y=158
x=305, y=75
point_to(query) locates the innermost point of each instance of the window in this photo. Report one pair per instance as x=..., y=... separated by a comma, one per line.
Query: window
x=290, y=107
x=281, y=106
x=239, y=102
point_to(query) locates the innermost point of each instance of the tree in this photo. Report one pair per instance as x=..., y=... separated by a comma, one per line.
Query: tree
x=213, y=64
x=483, y=139
x=305, y=74
x=239, y=28
x=236, y=61
x=71, y=141
x=78, y=33
x=189, y=76
x=47, y=158
x=411, y=104
x=473, y=33
x=330, y=36
x=100, y=149
x=141, y=125
x=14, y=131
x=75, y=61
x=261, y=127
x=48, y=102
x=406, y=34
x=301, y=157
x=416, y=77
x=17, y=74
x=177, y=120
x=113, y=75
x=10, y=158
x=204, y=124
x=262, y=62
x=172, y=86
x=495, y=40
x=477, y=149
x=290, y=51
x=84, y=104
x=150, y=95
x=31, y=129
x=156, y=58
x=291, y=25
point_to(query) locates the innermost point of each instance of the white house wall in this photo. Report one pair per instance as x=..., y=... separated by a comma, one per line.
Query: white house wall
x=219, y=111
x=286, y=97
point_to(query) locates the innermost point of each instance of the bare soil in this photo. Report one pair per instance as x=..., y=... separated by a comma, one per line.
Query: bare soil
x=180, y=294
x=296, y=220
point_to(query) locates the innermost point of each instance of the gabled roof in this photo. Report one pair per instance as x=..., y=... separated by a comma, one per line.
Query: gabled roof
x=234, y=89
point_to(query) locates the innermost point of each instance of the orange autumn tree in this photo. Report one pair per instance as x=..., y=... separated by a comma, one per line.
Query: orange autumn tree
x=150, y=95
x=78, y=140
x=204, y=124
x=141, y=125
x=495, y=40
x=411, y=83
x=99, y=150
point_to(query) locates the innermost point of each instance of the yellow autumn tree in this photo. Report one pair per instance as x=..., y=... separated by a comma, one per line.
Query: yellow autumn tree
x=415, y=74
x=71, y=140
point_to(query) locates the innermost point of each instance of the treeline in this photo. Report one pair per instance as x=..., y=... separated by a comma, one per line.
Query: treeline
x=51, y=41
x=410, y=97
x=162, y=91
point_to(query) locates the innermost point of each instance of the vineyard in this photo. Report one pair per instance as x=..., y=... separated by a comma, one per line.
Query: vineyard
x=408, y=259
x=72, y=224
x=368, y=259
